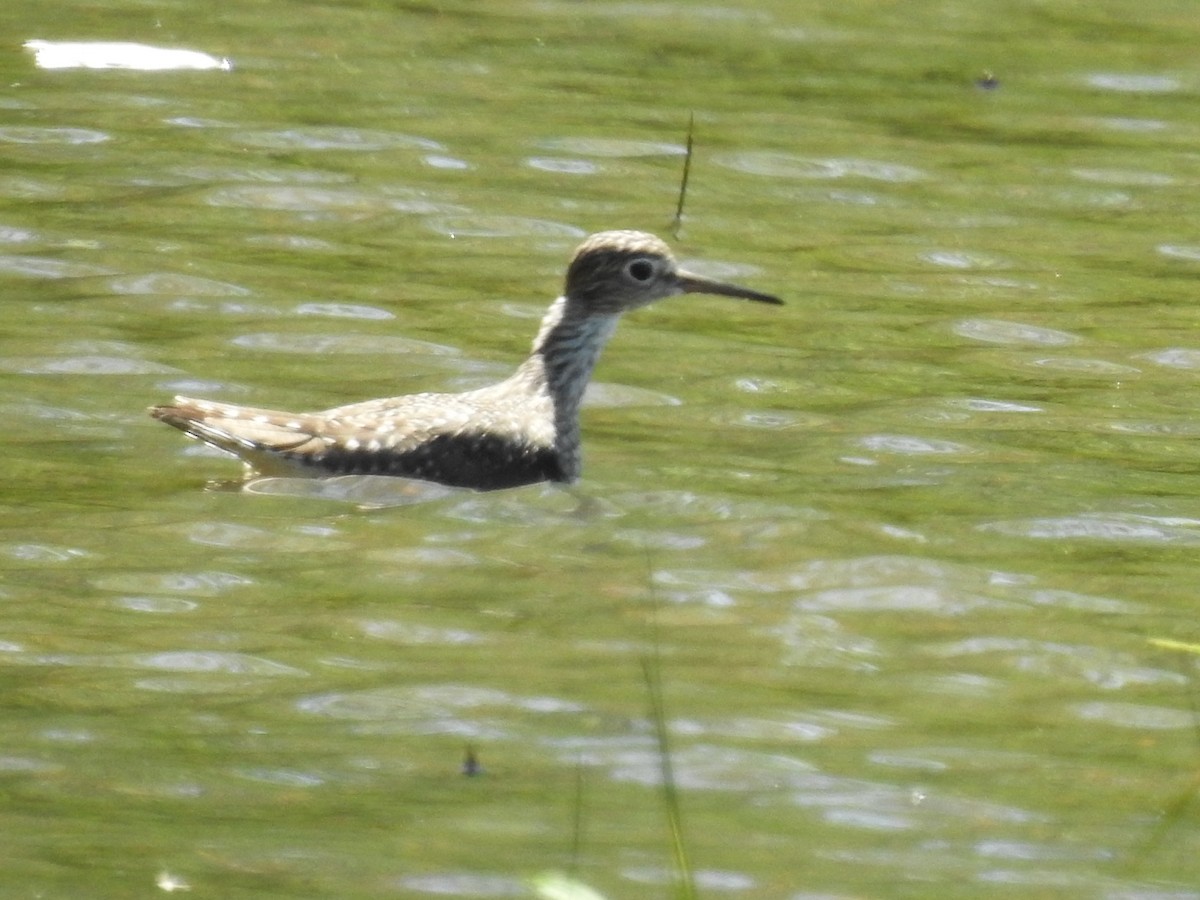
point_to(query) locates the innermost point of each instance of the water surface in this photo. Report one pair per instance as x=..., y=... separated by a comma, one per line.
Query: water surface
x=902, y=548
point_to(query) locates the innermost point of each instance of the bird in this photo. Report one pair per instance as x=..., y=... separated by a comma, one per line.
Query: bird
x=520, y=431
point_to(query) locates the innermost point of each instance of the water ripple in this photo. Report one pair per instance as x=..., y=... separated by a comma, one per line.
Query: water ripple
x=961, y=259
x=1174, y=357
x=709, y=879
x=413, y=633
x=211, y=173
x=343, y=311
x=213, y=661
x=25, y=187
x=997, y=331
x=293, y=243
x=188, y=661
x=457, y=709
x=291, y=778
x=1180, y=251
x=1058, y=662
x=1132, y=125
x=156, y=604
x=333, y=138
x=46, y=267
x=602, y=394
x=504, y=226
x=817, y=641
x=1143, y=84
x=932, y=599
x=313, y=344
x=310, y=198
x=196, y=584
x=1099, y=368
x=83, y=365
x=983, y=405
x=1062, y=599
x=909, y=445
x=246, y=537
x=1135, y=715
x=1117, y=527
x=614, y=148
x=562, y=166
x=698, y=767
x=788, y=165
x=28, y=134
x=465, y=884
x=42, y=553
x=1188, y=428
x=768, y=420
x=1124, y=176
x=173, y=283
x=438, y=161
x=12, y=235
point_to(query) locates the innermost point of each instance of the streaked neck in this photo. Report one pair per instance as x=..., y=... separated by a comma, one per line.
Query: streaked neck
x=561, y=362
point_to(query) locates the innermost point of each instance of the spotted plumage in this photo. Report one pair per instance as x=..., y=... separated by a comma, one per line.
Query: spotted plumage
x=520, y=431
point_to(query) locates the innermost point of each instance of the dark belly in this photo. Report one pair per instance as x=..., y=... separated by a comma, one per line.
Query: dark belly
x=482, y=462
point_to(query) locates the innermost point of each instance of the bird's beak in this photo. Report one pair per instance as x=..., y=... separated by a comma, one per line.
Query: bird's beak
x=698, y=284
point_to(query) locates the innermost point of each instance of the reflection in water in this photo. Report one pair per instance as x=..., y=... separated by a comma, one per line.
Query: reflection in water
x=364, y=491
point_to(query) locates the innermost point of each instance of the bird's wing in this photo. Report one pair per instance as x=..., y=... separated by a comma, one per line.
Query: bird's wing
x=363, y=436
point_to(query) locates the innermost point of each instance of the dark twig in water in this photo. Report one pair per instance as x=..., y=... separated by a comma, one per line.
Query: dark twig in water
x=683, y=181
x=471, y=766
x=987, y=82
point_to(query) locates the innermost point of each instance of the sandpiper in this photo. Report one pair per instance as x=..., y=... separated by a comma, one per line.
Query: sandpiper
x=522, y=430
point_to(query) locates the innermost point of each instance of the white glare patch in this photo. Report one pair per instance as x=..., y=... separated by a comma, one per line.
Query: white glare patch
x=171, y=883
x=119, y=55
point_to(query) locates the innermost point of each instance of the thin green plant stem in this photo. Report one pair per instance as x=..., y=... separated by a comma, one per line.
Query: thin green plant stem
x=577, y=820
x=685, y=883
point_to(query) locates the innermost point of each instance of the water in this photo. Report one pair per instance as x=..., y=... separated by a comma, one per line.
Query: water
x=910, y=551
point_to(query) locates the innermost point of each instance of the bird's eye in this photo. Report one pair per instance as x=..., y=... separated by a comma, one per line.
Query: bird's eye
x=640, y=270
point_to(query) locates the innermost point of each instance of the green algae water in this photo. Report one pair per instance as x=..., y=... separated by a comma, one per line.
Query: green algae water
x=916, y=552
